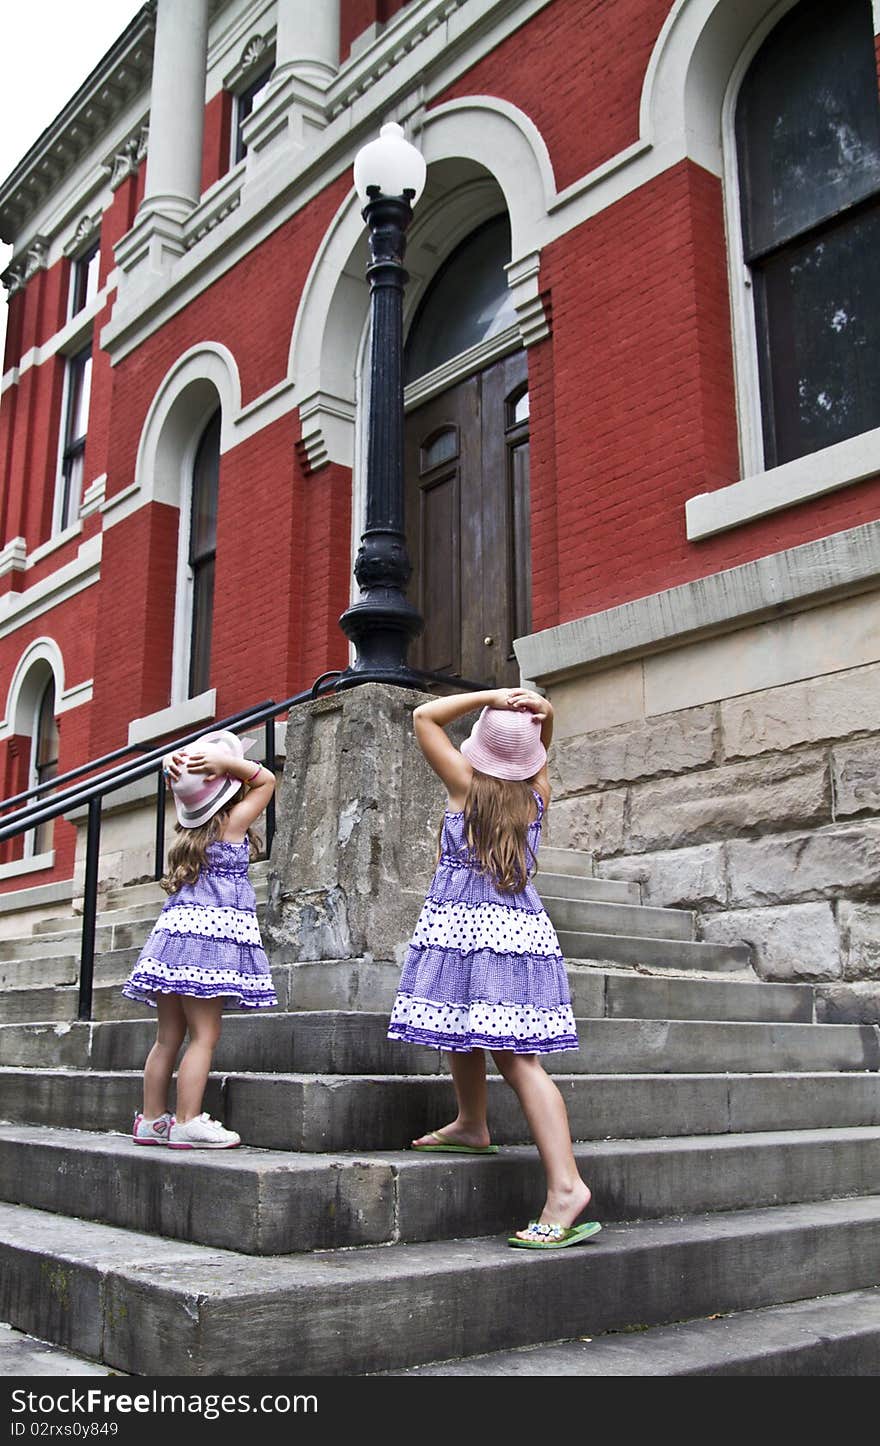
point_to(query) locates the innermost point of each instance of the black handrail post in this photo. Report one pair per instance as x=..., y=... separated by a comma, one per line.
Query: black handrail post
x=90, y=908
x=270, y=764
x=159, y=864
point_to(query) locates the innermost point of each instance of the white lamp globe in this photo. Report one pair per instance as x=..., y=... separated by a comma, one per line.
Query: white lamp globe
x=390, y=163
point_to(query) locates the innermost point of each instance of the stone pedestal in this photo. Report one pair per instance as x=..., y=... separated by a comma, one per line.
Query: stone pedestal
x=358, y=814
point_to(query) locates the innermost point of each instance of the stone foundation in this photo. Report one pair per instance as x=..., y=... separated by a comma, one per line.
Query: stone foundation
x=757, y=806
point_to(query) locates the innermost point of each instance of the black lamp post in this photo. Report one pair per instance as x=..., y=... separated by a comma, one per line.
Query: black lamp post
x=389, y=175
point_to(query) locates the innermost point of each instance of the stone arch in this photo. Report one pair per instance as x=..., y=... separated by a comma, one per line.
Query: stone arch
x=202, y=379
x=484, y=155
x=40, y=660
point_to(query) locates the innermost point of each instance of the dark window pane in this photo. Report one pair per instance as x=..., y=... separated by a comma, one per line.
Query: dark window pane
x=202, y=620
x=467, y=302
x=808, y=121
x=85, y=279
x=245, y=104
x=71, y=486
x=441, y=448
x=520, y=585
x=821, y=363
x=45, y=759
x=80, y=394
x=203, y=525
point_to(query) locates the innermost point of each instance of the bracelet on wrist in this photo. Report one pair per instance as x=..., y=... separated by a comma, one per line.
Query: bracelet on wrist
x=255, y=775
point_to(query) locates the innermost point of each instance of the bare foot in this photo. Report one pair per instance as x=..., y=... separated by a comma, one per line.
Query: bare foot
x=456, y=1134
x=563, y=1207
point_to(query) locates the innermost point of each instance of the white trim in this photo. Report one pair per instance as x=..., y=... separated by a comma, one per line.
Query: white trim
x=60, y=891
x=57, y=540
x=475, y=359
x=44, y=650
x=72, y=337
x=13, y=557
x=853, y=460
x=93, y=496
x=29, y=865
x=178, y=718
x=74, y=697
x=17, y=608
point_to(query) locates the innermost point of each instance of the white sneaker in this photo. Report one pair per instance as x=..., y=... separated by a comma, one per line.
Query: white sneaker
x=202, y=1133
x=152, y=1132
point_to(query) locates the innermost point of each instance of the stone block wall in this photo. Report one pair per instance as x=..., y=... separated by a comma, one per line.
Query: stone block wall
x=760, y=811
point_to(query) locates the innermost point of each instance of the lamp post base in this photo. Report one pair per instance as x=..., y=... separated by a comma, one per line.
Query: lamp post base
x=381, y=625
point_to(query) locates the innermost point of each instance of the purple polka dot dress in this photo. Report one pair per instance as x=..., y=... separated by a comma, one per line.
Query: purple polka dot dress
x=206, y=941
x=483, y=967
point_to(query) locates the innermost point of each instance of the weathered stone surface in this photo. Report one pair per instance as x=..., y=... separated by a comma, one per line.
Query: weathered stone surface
x=358, y=816
x=833, y=706
x=848, y=1003
x=673, y=743
x=832, y=862
x=855, y=770
x=691, y=878
x=859, y=939
x=593, y=821
x=779, y=792
x=798, y=942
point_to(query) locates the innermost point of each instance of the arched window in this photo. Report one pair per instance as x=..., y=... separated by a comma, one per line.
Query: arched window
x=202, y=551
x=44, y=760
x=808, y=147
x=468, y=301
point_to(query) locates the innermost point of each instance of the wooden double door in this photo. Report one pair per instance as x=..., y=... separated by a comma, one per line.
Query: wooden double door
x=467, y=519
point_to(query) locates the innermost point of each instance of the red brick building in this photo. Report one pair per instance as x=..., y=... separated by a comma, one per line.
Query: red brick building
x=643, y=401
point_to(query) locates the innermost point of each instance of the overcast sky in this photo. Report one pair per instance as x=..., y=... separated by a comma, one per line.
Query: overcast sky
x=48, y=49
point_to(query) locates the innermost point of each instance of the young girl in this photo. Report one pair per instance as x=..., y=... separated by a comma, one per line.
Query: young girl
x=484, y=968
x=205, y=951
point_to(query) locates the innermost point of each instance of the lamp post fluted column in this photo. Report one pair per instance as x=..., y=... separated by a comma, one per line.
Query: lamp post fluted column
x=383, y=623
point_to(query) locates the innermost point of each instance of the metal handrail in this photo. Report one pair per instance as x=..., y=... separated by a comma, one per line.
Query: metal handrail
x=92, y=793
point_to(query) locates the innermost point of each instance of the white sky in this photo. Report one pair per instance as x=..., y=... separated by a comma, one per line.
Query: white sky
x=48, y=49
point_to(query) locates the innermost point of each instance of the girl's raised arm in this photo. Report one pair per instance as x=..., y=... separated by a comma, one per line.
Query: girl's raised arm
x=430, y=720
x=260, y=781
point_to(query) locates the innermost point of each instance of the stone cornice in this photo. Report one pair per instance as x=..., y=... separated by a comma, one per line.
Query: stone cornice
x=122, y=73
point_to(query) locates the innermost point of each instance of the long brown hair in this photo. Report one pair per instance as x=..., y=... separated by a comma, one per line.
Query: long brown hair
x=188, y=855
x=497, y=814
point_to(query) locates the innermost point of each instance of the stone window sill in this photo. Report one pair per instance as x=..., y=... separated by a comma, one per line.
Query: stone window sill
x=179, y=718
x=854, y=460
x=27, y=866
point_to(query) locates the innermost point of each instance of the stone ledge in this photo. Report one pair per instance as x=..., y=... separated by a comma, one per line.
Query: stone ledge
x=784, y=581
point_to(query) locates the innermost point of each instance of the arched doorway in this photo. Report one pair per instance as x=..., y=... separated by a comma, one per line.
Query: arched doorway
x=44, y=762
x=467, y=467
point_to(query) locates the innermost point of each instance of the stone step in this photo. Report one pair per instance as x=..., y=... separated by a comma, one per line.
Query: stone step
x=355, y=1042
x=584, y=886
x=111, y=1295
x=566, y=861
x=51, y=931
x=587, y=916
x=24, y=1355
x=381, y=1112
x=371, y=985
x=276, y=1203
x=683, y=954
x=836, y=1335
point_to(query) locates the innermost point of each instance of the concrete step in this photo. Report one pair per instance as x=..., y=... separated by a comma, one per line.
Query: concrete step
x=584, y=886
x=382, y=1112
x=371, y=985
x=110, y=1294
x=587, y=916
x=276, y=1203
x=24, y=1355
x=837, y=1335
x=683, y=954
x=566, y=861
x=355, y=1042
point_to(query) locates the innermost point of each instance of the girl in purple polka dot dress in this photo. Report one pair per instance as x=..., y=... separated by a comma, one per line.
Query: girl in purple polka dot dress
x=205, y=953
x=484, y=969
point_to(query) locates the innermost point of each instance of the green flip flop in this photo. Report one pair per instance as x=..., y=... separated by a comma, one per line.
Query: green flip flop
x=444, y=1147
x=555, y=1237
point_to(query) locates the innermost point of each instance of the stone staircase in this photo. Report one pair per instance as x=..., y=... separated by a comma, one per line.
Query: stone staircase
x=733, y=1146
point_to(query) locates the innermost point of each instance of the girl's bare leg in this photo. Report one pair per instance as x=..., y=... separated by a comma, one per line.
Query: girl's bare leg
x=469, y=1126
x=162, y=1057
x=203, y=1022
x=544, y=1109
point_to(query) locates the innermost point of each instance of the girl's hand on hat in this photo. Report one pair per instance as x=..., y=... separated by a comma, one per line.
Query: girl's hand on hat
x=209, y=761
x=173, y=765
x=525, y=700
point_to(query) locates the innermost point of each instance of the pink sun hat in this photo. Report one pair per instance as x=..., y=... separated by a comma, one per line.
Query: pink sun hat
x=197, y=797
x=506, y=743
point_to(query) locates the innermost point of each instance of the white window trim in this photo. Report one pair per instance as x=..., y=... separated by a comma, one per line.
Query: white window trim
x=59, y=533
x=763, y=490
x=30, y=864
x=183, y=594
